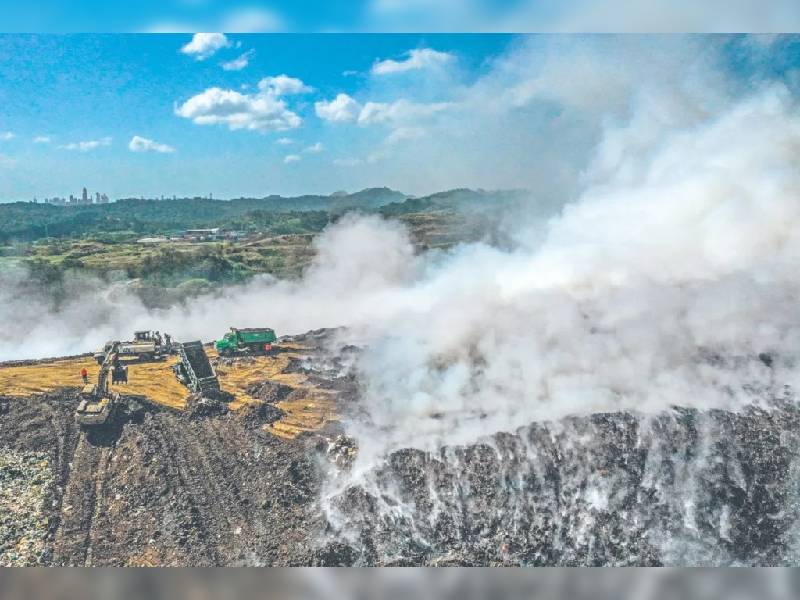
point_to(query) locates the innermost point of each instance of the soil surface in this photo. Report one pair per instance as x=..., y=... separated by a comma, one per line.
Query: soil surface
x=163, y=486
x=168, y=490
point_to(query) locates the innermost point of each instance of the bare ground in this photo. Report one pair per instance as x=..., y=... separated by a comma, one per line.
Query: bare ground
x=170, y=489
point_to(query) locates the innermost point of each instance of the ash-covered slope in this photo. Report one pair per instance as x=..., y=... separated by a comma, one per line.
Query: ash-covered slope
x=686, y=488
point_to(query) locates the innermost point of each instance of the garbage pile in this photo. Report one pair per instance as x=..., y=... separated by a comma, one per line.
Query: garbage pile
x=686, y=487
x=24, y=481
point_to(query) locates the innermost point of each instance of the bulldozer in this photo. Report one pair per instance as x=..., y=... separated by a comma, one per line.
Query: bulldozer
x=98, y=405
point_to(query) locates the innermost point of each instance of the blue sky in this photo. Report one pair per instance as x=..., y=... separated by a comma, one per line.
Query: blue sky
x=87, y=88
x=519, y=16
x=255, y=114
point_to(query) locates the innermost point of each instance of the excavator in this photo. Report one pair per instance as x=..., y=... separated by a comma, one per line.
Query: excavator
x=98, y=404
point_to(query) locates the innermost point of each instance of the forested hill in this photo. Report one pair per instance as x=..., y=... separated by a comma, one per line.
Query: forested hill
x=26, y=221
x=132, y=217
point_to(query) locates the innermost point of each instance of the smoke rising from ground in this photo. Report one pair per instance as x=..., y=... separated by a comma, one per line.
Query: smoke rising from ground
x=682, y=246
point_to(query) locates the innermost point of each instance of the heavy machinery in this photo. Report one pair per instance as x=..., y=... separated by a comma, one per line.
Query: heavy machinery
x=255, y=340
x=98, y=404
x=195, y=371
x=146, y=346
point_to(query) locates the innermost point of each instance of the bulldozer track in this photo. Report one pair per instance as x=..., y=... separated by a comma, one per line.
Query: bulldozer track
x=183, y=481
x=83, y=498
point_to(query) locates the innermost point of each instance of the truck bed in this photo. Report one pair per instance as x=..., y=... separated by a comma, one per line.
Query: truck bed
x=198, y=360
x=251, y=335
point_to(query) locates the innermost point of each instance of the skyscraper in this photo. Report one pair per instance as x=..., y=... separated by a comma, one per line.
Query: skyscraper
x=85, y=197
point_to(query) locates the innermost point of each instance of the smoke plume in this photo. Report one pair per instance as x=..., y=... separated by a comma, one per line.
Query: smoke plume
x=682, y=246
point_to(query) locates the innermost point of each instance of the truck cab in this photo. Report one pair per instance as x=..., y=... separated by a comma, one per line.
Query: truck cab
x=254, y=340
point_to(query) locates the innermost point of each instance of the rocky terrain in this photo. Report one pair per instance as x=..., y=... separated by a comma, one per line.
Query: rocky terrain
x=685, y=487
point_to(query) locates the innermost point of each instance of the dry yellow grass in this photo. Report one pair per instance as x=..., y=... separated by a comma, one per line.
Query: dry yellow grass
x=153, y=380
x=310, y=410
x=41, y=378
x=307, y=407
x=157, y=382
x=237, y=378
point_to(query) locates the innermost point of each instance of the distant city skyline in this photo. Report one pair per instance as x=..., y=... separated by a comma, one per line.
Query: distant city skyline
x=85, y=199
x=255, y=115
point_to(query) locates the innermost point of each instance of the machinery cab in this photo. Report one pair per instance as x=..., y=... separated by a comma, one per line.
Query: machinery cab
x=94, y=412
x=147, y=336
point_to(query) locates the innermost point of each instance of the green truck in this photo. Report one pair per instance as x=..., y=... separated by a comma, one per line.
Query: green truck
x=254, y=340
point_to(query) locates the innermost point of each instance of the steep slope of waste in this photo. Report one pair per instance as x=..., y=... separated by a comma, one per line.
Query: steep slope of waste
x=683, y=488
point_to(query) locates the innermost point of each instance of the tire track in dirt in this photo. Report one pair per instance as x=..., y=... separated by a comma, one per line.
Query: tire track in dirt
x=184, y=482
x=72, y=545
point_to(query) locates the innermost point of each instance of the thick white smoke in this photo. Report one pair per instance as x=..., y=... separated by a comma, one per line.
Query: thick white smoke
x=362, y=264
x=684, y=247
x=684, y=242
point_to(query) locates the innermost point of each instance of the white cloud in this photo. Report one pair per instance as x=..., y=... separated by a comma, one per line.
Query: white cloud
x=204, y=45
x=342, y=109
x=170, y=27
x=7, y=135
x=283, y=85
x=290, y=158
x=284, y=141
x=42, y=139
x=140, y=144
x=596, y=16
x=421, y=58
x=262, y=111
x=314, y=148
x=237, y=64
x=400, y=111
x=87, y=145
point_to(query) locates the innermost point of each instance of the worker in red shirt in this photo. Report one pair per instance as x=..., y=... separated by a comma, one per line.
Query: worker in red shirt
x=85, y=375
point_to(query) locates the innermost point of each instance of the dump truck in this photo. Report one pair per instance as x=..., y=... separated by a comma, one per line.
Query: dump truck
x=254, y=340
x=195, y=370
x=98, y=405
x=146, y=346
